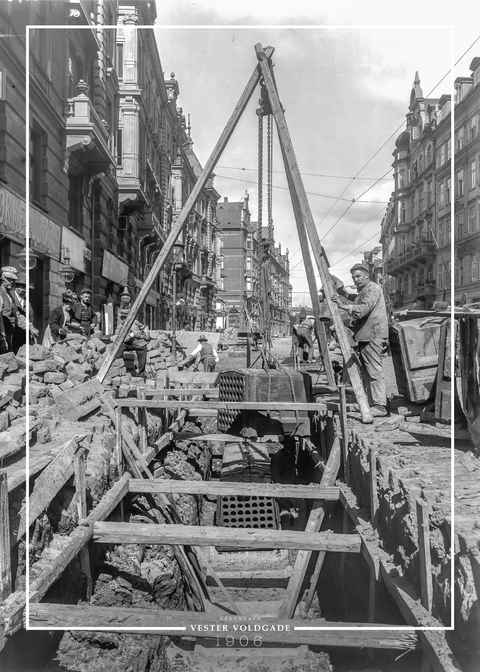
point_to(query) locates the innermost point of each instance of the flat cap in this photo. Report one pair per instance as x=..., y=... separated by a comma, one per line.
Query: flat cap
x=361, y=266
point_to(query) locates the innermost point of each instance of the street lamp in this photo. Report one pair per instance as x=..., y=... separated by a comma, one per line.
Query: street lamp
x=177, y=263
x=26, y=257
x=67, y=272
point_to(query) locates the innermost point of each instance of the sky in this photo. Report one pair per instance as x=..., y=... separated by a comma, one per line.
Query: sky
x=344, y=74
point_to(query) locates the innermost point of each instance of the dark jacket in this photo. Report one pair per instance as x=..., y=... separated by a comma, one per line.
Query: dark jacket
x=85, y=315
x=369, y=314
x=56, y=322
x=9, y=309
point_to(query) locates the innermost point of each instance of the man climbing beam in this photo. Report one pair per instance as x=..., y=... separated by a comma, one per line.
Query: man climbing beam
x=370, y=331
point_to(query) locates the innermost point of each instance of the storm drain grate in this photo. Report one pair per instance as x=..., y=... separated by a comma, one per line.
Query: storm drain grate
x=246, y=512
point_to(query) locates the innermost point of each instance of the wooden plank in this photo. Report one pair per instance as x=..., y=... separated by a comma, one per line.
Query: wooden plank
x=48, y=484
x=223, y=405
x=143, y=425
x=193, y=378
x=138, y=533
x=177, y=227
x=294, y=177
x=312, y=284
x=344, y=427
x=169, y=392
x=202, y=412
x=223, y=488
x=372, y=460
x=314, y=523
x=81, y=492
x=11, y=614
x=426, y=582
x=5, y=550
x=79, y=537
x=118, y=441
x=475, y=562
x=404, y=594
x=36, y=465
x=63, y=616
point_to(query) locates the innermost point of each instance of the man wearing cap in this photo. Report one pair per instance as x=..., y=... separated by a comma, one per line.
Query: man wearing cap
x=84, y=313
x=8, y=305
x=204, y=354
x=24, y=315
x=370, y=331
x=305, y=336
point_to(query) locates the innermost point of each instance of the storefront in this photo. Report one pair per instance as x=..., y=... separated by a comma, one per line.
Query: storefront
x=45, y=242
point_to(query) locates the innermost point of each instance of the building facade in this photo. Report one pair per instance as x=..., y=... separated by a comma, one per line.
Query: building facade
x=110, y=162
x=245, y=294
x=467, y=186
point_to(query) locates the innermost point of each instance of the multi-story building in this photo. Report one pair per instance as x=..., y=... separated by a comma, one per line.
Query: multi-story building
x=241, y=302
x=467, y=186
x=416, y=228
x=105, y=139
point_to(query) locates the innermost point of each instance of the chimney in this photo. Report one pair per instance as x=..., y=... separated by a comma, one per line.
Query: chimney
x=225, y=199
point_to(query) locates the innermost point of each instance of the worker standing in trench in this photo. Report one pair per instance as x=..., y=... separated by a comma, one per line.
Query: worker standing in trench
x=370, y=332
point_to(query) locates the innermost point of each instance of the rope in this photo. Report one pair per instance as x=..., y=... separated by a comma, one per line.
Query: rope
x=269, y=177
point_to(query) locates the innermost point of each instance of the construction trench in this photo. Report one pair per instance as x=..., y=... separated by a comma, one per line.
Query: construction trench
x=254, y=514
x=95, y=563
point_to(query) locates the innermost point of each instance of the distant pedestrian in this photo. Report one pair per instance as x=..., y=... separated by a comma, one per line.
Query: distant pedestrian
x=306, y=335
x=9, y=275
x=61, y=320
x=24, y=315
x=204, y=354
x=84, y=313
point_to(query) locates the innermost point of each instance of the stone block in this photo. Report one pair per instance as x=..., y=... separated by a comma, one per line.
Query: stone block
x=126, y=379
x=54, y=377
x=14, y=391
x=37, y=390
x=10, y=360
x=123, y=391
x=44, y=435
x=17, y=379
x=3, y=369
x=98, y=344
x=43, y=366
x=160, y=366
x=76, y=340
x=45, y=402
x=33, y=401
x=4, y=421
x=67, y=385
x=59, y=361
x=78, y=378
x=79, y=401
x=37, y=352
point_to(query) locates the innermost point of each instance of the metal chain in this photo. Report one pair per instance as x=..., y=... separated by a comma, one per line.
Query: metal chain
x=260, y=175
x=269, y=177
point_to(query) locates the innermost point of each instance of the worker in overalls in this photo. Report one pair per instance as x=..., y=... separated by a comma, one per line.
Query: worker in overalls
x=204, y=354
x=370, y=333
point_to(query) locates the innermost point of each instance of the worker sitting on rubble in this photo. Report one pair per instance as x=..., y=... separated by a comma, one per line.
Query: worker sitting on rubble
x=61, y=320
x=84, y=313
x=370, y=332
x=204, y=354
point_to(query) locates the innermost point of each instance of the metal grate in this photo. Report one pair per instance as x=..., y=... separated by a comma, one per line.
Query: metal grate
x=246, y=512
x=231, y=388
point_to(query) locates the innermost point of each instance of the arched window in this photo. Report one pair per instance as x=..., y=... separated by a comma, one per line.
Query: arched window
x=429, y=155
x=401, y=179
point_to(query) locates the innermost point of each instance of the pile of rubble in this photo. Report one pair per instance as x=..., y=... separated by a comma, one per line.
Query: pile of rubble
x=12, y=403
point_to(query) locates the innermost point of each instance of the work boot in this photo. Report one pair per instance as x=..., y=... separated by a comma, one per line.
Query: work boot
x=378, y=411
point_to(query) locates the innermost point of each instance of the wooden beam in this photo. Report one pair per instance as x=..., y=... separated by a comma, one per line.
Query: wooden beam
x=223, y=405
x=426, y=583
x=372, y=459
x=404, y=594
x=5, y=548
x=191, y=378
x=138, y=533
x=180, y=222
x=344, y=427
x=294, y=177
x=287, y=608
x=312, y=284
x=184, y=623
x=171, y=392
x=48, y=484
x=81, y=535
x=224, y=488
x=11, y=615
x=81, y=493
x=36, y=465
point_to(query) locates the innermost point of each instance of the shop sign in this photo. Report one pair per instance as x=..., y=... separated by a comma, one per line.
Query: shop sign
x=46, y=234
x=76, y=247
x=113, y=269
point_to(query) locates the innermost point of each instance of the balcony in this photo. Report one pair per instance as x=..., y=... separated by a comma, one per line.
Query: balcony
x=87, y=134
x=418, y=254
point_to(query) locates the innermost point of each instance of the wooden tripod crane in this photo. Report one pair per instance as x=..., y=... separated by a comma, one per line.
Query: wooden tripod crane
x=304, y=219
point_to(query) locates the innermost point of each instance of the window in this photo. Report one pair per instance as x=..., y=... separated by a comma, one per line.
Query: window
x=473, y=174
x=448, y=190
x=440, y=272
x=421, y=197
x=401, y=179
x=119, y=147
x=441, y=200
x=403, y=244
x=413, y=282
x=476, y=267
x=457, y=279
x=466, y=269
x=420, y=163
x=414, y=205
x=460, y=182
x=459, y=225
x=37, y=141
x=441, y=233
x=473, y=127
x=429, y=155
x=249, y=242
x=460, y=139
x=449, y=149
x=402, y=213
x=442, y=154
x=429, y=193
x=471, y=219
x=448, y=227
